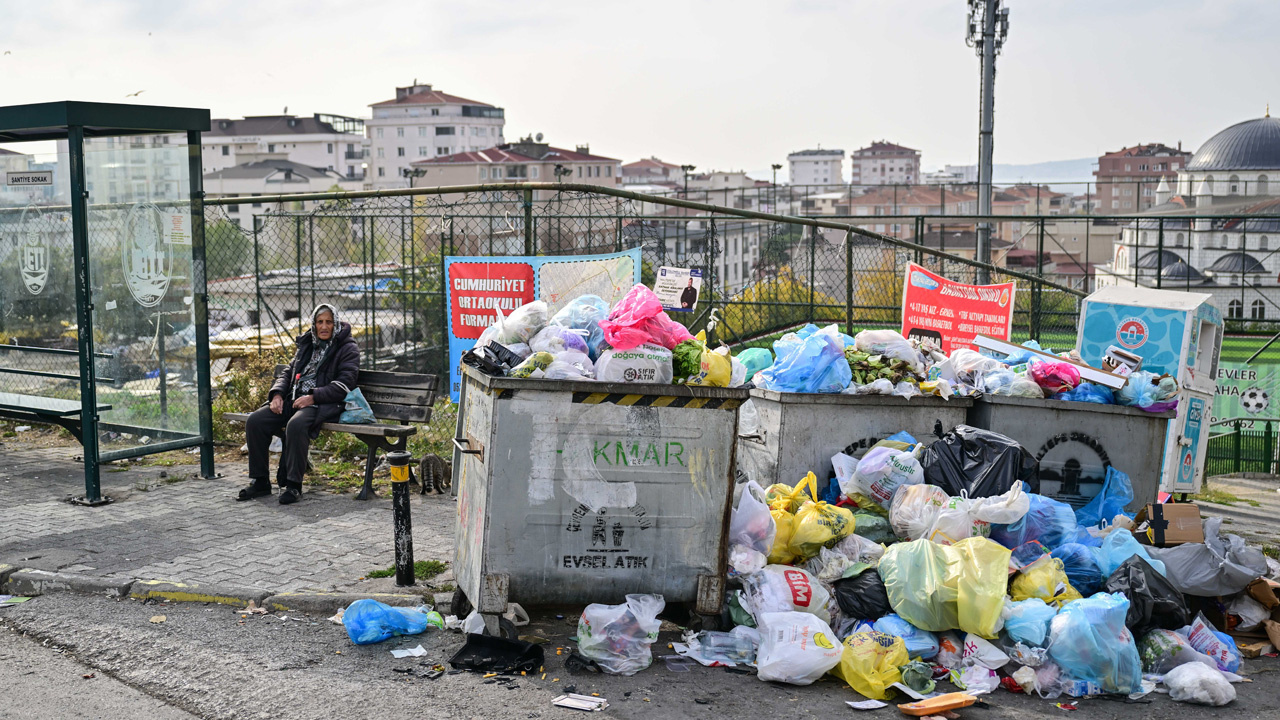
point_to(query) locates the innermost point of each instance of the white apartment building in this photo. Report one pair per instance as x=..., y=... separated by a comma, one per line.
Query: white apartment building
x=134, y=168
x=423, y=123
x=884, y=163
x=271, y=174
x=951, y=175
x=817, y=167
x=332, y=142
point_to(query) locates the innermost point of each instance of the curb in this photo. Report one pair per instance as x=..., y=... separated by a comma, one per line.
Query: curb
x=41, y=582
x=5, y=572
x=174, y=591
x=317, y=603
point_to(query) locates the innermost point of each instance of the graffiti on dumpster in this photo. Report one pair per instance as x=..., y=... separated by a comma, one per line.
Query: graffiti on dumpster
x=1072, y=464
x=609, y=550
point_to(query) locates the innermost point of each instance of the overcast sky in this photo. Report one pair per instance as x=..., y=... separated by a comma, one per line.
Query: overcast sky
x=733, y=84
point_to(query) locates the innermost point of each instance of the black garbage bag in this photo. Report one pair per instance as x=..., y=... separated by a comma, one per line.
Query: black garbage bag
x=862, y=596
x=1154, y=603
x=495, y=654
x=492, y=359
x=979, y=462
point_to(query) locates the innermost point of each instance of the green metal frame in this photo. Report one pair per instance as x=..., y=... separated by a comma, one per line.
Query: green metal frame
x=74, y=121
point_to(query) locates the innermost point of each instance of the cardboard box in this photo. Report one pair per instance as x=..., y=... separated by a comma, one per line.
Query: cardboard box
x=1264, y=591
x=1170, y=524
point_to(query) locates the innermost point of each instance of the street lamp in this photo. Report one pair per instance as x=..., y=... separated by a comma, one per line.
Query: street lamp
x=774, y=206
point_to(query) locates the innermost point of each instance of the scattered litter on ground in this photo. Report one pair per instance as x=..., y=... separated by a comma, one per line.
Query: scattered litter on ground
x=409, y=652
x=574, y=701
x=11, y=600
x=157, y=619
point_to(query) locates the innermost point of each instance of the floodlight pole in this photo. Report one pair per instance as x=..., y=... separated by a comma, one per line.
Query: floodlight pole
x=987, y=41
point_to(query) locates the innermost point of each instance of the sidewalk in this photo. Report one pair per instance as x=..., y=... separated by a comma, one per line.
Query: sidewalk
x=187, y=529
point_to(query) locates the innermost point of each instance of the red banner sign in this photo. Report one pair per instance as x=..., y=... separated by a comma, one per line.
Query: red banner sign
x=477, y=289
x=953, y=313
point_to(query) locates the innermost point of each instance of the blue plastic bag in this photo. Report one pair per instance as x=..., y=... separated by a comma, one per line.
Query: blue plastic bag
x=920, y=643
x=585, y=313
x=1051, y=522
x=755, y=360
x=1088, y=392
x=1116, y=492
x=1141, y=392
x=1089, y=641
x=1021, y=356
x=1027, y=621
x=1081, y=566
x=356, y=410
x=1119, y=546
x=369, y=621
x=814, y=364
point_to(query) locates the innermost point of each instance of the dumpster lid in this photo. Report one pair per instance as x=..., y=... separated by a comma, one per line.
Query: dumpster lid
x=587, y=386
x=1075, y=406
x=793, y=398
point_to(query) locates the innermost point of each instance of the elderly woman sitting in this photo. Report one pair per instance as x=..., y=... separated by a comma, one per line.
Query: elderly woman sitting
x=309, y=394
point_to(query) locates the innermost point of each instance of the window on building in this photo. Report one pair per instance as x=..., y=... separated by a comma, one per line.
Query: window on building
x=1128, y=167
x=608, y=171
x=330, y=150
x=1234, y=182
x=435, y=111
x=1222, y=241
x=1177, y=240
x=1262, y=185
x=1257, y=310
x=495, y=173
x=1115, y=191
x=484, y=173
x=1262, y=243
x=423, y=151
x=382, y=152
x=579, y=171
x=378, y=132
x=382, y=172
x=226, y=150
x=444, y=130
x=1142, y=168
x=1235, y=310
x=442, y=151
x=271, y=147
x=422, y=131
x=533, y=172
x=1127, y=204
x=399, y=132
x=399, y=152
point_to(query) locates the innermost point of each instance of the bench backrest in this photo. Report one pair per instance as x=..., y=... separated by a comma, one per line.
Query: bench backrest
x=404, y=397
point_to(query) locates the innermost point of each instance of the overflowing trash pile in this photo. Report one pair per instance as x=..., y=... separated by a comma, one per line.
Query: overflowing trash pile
x=931, y=564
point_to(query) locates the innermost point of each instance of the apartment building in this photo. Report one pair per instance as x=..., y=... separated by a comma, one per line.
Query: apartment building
x=885, y=163
x=332, y=142
x=1127, y=179
x=816, y=167
x=422, y=123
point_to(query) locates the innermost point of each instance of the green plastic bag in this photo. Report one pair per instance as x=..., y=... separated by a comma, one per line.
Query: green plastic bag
x=755, y=360
x=947, y=587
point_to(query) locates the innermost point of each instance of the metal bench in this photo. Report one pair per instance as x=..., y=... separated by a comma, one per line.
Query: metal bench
x=401, y=397
x=39, y=408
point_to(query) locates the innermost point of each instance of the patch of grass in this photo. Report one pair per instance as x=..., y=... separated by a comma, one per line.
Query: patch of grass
x=422, y=570
x=1216, y=496
x=1271, y=551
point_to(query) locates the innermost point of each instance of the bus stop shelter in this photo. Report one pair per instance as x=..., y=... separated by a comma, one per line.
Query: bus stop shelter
x=103, y=307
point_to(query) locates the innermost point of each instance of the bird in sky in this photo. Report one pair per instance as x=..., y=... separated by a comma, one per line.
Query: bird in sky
x=135, y=94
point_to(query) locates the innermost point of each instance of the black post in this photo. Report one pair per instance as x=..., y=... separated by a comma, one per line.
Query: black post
x=200, y=298
x=402, y=520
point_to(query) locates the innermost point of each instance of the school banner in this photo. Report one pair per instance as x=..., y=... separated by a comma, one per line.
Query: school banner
x=952, y=313
x=1247, y=392
x=478, y=288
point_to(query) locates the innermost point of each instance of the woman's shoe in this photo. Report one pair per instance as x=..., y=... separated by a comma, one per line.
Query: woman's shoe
x=290, y=496
x=256, y=489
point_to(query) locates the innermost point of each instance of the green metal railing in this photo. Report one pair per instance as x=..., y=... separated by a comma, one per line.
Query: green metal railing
x=1244, y=446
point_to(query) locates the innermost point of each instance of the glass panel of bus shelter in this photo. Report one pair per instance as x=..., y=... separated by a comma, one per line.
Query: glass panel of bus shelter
x=141, y=271
x=38, y=355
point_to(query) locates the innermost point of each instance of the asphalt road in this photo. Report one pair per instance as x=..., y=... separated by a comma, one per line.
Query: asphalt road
x=41, y=682
x=211, y=662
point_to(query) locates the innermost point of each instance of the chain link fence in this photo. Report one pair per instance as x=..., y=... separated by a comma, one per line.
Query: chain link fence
x=380, y=259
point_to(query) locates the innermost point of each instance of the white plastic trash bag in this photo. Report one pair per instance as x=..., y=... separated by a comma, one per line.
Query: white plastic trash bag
x=884, y=469
x=1199, y=684
x=782, y=588
x=752, y=524
x=1221, y=565
x=914, y=510
x=618, y=637
x=519, y=327
x=795, y=648
x=645, y=363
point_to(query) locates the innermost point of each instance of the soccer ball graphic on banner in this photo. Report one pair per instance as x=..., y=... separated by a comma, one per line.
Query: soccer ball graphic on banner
x=1254, y=400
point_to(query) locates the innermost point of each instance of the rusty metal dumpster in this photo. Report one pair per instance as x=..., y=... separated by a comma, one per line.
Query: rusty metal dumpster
x=580, y=492
x=1075, y=442
x=799, y=432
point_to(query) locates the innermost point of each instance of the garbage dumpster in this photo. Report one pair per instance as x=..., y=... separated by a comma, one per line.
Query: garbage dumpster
x=1075, y=442
x=799, y=432
x=580, y=492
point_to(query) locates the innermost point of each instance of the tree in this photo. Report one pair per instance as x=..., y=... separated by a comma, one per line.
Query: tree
x=779, y=302
x=228, y=251
x=877, y=294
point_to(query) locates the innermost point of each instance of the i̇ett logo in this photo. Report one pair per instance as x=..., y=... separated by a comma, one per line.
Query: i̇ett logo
x=1132, y=333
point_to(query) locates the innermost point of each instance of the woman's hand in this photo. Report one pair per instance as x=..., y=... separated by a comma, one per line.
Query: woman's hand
x=277, y=404
x=304, y=401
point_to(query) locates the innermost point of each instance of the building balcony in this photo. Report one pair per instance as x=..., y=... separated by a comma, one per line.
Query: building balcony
x=354, y=154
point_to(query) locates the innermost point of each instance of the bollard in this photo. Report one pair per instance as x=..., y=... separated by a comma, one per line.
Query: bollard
x=399, y=462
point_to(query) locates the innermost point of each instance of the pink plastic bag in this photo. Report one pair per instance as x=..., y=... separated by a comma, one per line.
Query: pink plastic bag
x=639, y=318
x=1055, y=377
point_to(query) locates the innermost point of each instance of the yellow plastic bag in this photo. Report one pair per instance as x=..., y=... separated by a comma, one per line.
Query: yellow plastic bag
x=947, y=587
x=870, y=662
x=1045, y=579
x=818, y=525
x=781, y=496
x=715, y=370
x=780, y=553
